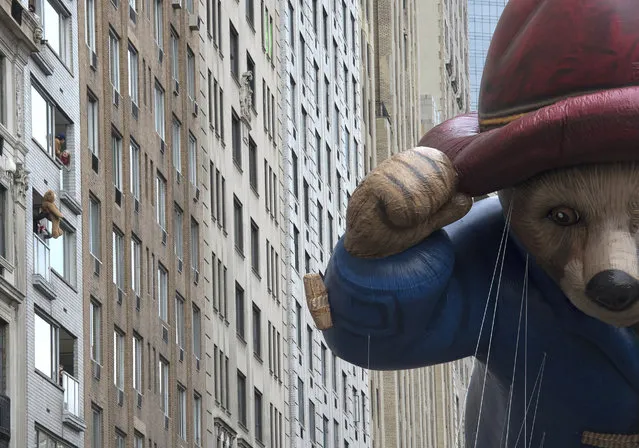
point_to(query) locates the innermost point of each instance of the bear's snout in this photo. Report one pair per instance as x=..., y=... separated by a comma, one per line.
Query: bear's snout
x=613, y=289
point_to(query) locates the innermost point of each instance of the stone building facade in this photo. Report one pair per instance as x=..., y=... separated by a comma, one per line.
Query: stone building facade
x=19, y=37
x=396, y=62
x=143, y=155
x=323, y=159
x=242, y=252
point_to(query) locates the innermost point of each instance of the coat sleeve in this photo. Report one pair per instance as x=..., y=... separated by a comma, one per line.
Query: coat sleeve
x=409, y=310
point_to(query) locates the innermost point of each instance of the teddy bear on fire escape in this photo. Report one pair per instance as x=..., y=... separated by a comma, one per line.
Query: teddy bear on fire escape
x=51, y=212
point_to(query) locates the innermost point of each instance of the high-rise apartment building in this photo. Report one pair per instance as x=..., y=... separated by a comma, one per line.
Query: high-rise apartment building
x=54, y=409
x=322, y=158
x=20, y=36
x=396, y=61
x=142, y=151
x=444, y=87
x=483, y=16
x=245, y=306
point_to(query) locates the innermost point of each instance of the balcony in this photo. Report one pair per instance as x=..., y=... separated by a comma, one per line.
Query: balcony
x=42, y=267
x=71, y=406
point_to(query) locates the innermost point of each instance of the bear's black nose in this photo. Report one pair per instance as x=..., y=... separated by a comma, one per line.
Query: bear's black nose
x=613, y=289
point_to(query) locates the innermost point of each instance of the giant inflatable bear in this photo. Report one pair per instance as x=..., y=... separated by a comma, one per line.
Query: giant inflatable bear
x=540, y=285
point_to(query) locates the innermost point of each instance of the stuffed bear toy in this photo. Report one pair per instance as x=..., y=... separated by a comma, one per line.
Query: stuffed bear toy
x=540, y=284
x=52, y=213
x=61, y=149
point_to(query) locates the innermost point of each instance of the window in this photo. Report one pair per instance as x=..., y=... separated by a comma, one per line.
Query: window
x=255, y=247
x=178, y=238
x=159, y=23
x=137, y=363
x=257, y=331
x=134, y=164
x=307, y=206
x=160, y=200
x=118, y=359
x=250, y=12
x=309, y=341
x=311, y=420
x=138, y=441
x=253, y=164
x=298, y=316
x=96, y=423
x=118, y=259
x=163, y=286
x=296, y=179
x=89, y=24
x=93, y=120
x=47, y=121
x=237, y=139
x=190, y=74
x=192, y=160
x=62, y=255
x=197, y=419
x=189, y=6
x=179, y=322
x=241, y=398
x=234, y=42
x=195, y=248
x=239, y=310
x=175, y=57
x=323, y=364
x=197, y=332
x=95, y=337
x=300, y=401
x=181, y=408
x=133, y=75
x=159, y=110
x=94, y=228
x=296, y=248
x=164, y=385
x=239, y=225
x=116, y=144
x=320, y=227
x=55, y=32
x=176, y=145
x=259, y=432
x=44, y=439
x=114, y=61
x=325, y=432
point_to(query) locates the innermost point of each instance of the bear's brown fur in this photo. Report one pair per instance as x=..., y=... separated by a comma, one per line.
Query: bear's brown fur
x=602, y=205
x=52, y=213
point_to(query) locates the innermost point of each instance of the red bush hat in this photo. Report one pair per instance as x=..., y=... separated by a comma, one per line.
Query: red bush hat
x=560, y=88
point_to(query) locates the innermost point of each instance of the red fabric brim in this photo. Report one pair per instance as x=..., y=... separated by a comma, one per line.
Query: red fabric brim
x=596, y=128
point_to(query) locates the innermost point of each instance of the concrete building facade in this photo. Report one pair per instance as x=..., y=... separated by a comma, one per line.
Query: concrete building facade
x=396, y=62
x=20, y=36
x=443, y=81
x=142, y=152
x=55, y=412
x=242, y=253
x=483, y=16
x=323, y=159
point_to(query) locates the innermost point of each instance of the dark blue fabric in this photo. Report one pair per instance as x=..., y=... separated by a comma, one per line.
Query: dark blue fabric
x=425, y=306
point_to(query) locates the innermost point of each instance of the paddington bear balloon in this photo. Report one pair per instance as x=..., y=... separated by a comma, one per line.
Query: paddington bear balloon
x=540, y=285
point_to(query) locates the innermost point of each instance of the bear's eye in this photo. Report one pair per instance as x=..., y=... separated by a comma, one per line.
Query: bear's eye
x=564, y=216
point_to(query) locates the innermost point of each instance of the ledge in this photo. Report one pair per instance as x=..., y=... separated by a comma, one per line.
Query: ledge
x=43, y=62
x=71, y=202
x=45, y=287
x=73, y=421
